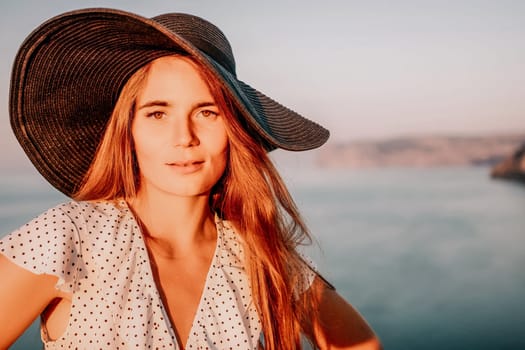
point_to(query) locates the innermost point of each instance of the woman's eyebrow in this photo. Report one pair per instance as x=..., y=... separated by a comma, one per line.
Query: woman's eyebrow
x=204, y=104
x=155, y=103
x=160, y=103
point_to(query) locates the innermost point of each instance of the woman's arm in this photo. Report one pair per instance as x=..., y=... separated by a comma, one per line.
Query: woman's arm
x=339, y=325
x=23, y=296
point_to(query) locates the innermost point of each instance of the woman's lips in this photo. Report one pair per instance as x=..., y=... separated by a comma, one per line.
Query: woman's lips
x=186, y=167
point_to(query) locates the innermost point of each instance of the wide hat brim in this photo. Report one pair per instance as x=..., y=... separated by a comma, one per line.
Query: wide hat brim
x=69, y=72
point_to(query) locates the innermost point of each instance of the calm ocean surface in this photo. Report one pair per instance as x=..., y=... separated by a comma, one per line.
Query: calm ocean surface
x=434, y=258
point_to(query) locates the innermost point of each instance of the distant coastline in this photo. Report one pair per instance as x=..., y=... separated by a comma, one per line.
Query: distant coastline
x=420, y=151
x=409, y=151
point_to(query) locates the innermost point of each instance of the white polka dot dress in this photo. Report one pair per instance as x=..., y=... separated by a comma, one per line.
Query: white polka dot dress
x=99, y=255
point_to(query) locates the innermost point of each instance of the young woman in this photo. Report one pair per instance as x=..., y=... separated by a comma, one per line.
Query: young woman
x=181, y=233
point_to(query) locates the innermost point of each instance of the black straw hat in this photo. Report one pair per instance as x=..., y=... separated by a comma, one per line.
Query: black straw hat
x=69, y=72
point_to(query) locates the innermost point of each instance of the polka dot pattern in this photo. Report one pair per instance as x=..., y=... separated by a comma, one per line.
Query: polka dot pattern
x=97, y=251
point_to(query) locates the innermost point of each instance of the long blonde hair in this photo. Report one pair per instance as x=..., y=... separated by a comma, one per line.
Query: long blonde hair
x=250, y=194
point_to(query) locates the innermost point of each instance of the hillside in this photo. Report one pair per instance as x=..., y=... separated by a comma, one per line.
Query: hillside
x=512, y=167
x=421, y=151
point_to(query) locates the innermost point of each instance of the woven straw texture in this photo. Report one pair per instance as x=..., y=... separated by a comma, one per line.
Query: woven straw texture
x=69, y=72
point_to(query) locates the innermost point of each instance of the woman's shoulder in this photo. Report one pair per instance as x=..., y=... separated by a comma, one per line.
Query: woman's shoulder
x=59, y=240
x=81, y=212
x=92, y=208
x=72, y=217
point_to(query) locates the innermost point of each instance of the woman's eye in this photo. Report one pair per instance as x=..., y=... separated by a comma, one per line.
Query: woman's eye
x=156, y=115
x=206, y=113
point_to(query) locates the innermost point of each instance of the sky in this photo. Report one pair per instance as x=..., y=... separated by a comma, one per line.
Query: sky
x=364, y=69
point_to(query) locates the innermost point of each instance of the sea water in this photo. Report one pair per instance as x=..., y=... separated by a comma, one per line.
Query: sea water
x=432, y=258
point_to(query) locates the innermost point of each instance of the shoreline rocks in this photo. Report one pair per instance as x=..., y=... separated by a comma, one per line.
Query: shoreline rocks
x=511, y=168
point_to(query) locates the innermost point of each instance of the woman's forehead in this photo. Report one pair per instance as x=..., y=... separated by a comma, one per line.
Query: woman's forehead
x=174, y=79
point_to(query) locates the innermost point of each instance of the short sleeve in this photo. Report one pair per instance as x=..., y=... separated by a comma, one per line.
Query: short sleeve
x=309, y=273
x=49, y=244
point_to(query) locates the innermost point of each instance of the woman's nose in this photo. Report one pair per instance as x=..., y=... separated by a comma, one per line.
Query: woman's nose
x=182, y=132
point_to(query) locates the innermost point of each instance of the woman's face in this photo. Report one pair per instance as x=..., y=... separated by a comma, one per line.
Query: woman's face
x=178, y=131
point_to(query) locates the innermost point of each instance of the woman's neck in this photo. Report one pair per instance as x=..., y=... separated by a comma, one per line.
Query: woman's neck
x=174, y=226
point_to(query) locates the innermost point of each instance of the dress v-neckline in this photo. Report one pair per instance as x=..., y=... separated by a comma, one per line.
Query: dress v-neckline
x=213, y=265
